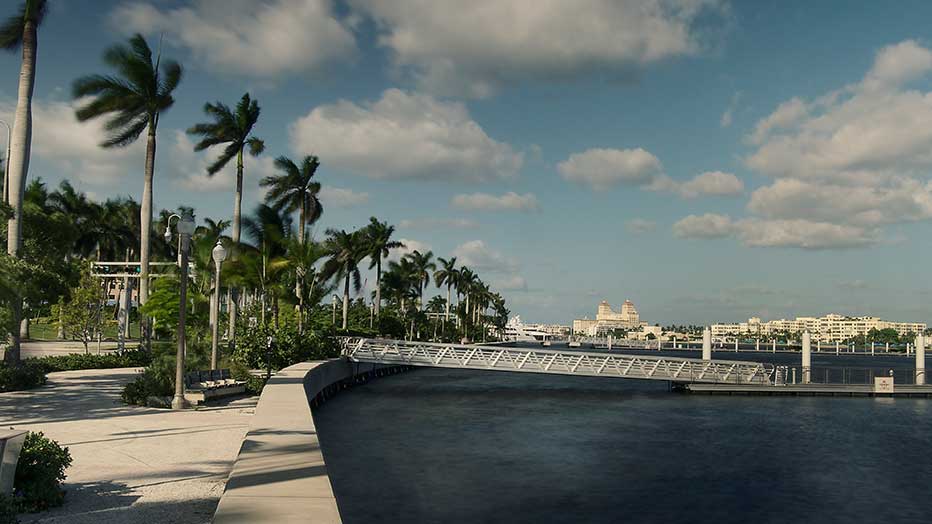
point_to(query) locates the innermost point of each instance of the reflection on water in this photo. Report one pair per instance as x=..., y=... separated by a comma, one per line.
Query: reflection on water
x=456, y=446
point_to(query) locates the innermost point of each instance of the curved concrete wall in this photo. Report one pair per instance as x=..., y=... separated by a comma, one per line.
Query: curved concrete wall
x=279, y=475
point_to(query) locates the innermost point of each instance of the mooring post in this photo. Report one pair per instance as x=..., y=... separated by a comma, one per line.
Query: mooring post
x=706, y=344
x=757, y=344
x=774, y=345
x=837, y=346
x=736, y=344
x=886, y=349
x=609, y=342
x=920, y=360
x=872, y=349
x=807, y=357
x=819, y=345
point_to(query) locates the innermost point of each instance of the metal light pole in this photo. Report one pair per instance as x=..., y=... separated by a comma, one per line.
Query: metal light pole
x=219, y=254
x=185, y=228
x=6, y=164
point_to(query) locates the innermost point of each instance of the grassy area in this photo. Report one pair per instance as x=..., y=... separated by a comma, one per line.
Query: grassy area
x=47, y=329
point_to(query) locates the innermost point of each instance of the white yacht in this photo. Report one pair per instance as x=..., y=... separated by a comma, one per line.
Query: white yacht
x=516, y=331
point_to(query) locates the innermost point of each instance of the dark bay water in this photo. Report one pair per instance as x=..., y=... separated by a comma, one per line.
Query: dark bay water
x=455, y=446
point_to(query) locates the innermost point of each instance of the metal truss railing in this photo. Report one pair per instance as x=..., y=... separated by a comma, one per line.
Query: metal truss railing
x=684, y=370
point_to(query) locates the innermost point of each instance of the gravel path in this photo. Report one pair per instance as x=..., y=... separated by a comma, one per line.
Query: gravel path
x=131, y=464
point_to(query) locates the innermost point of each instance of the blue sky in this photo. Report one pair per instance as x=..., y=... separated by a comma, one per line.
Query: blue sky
x=708, y=160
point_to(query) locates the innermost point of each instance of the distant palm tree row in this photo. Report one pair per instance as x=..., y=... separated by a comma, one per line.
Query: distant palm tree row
x=131, y=98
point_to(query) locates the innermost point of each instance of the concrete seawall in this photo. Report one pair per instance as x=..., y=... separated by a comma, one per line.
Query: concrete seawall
x=279, y=475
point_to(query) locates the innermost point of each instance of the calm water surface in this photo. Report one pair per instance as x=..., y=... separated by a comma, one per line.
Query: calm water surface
x=456, y=446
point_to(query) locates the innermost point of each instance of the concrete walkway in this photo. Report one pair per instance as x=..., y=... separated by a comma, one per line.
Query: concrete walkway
x=131, y=464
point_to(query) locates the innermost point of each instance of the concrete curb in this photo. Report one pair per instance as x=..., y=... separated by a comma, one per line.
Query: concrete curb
x=279, y=475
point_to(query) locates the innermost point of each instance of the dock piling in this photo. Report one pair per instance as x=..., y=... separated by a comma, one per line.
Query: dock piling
x=706, y=344
x=807, y=357
x=920, y=360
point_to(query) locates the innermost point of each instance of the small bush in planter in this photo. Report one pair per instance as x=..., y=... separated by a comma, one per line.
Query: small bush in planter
x=39, y=474
x=7, y=511
x=24, y=375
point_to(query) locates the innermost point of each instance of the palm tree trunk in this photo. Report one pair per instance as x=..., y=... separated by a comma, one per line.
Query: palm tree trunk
x=302, y=216
x=145, y=223
x=446, y=317
x=21, y=143
x=378, y=285
x=233, y=292
x=345, y=298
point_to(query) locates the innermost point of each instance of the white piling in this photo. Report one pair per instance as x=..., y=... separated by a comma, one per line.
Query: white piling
x=819, y=345
x=807, y=357
x=920, y=360
x=757, y=344
x=609, y=342
x=872, y=349
x=837, y=346
x=887, y=348
x=774, y=345
x=706, y=344
x=736, y=344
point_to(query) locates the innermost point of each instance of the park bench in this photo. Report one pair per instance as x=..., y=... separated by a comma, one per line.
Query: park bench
x=201, y=386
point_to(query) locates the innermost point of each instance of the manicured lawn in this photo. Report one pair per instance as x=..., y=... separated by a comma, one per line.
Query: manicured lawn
x=47, y=329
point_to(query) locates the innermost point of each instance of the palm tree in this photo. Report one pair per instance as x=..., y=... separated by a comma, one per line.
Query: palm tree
x=294, y=190
x=301, y=257
x=465, y=285
x=423, y=265
x=133, y=100
x=378, y=245
x=446, y=275
x=233, y=129
x=230, y=127
x=346, y=250
x=20, y=31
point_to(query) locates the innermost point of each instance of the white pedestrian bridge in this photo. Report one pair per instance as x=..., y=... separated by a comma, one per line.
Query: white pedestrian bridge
x=557, y=362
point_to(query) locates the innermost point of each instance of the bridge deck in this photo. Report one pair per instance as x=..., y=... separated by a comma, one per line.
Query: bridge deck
x=529, y=360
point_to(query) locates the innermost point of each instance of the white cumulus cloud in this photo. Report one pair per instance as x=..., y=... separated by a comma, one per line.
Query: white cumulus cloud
x=404, y=135
x=476, y=255
x=475, y=48
x=509, y=201
x=639, y=226
x=256, y=39
x=602, y=169
x=342, y=197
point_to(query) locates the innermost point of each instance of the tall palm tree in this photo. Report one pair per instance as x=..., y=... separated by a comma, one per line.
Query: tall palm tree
x=423, y=265
x=465, y=285
x=446, y=275
x=294, y=190
x=378, y=245
x=133, y=101
x=20, y=31
x=301, y=257
x=345, y=251
x=233, y=128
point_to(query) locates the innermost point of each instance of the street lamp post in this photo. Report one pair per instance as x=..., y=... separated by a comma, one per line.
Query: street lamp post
x=219, y=254
x=185, y=228
x=333, y=320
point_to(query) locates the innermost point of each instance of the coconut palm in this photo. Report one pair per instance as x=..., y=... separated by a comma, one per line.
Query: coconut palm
x=293, y=190
x=20, y=31
x=233, y=128
x=300, y=258
x=345, y=250
x=465, y=285
x=230, y=127
x=446, y=275
x=423, y=265
x=378, y=245
x=133, y=101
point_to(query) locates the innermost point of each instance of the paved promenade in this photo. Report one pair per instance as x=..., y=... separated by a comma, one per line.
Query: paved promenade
x=131, y=464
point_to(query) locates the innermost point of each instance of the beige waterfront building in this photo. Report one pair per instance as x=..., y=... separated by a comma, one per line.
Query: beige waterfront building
x=830, y=328
x=607, y=319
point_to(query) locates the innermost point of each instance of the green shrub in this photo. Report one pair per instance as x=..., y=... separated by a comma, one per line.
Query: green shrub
x=150, y=383
x=39, y=474
x=288, y=346
x=158, y=379
x=16, y=377
x=254, y=384
x=126, y=359
x=7, y=510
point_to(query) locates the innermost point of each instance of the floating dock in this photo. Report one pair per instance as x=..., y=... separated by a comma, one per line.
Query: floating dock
x=810, y=390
